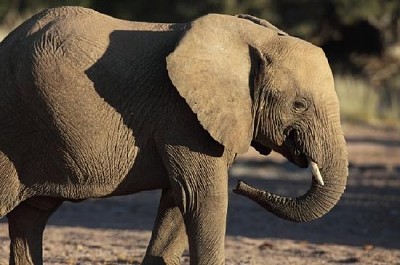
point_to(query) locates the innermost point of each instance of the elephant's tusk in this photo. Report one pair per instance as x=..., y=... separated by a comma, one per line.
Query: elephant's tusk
x=315, y=171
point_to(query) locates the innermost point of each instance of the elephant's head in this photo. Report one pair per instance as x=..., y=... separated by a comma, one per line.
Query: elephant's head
x=252, y=84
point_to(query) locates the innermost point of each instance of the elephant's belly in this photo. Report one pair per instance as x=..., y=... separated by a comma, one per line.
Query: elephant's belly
x=102, y=184
x=146, y=173
x=87, y=172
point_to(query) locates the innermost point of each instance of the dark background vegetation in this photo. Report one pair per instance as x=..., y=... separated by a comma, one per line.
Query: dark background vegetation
x=361, y=38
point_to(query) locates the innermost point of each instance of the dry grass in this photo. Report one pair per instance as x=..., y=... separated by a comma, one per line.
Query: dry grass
x=359, y=101
x=3, y=33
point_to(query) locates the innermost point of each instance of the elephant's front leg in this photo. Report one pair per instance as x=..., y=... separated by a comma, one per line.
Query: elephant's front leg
x=199, y=184
x=205, y=218
x=168, y=240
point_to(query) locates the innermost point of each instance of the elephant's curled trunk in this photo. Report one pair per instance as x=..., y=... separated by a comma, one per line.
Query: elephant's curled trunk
x=317, y=201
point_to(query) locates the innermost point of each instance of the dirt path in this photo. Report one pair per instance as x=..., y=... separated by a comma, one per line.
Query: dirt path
x=364, y=228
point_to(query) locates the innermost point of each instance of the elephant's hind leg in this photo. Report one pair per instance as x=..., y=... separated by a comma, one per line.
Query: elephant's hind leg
x=26, y=224
x=168, y=240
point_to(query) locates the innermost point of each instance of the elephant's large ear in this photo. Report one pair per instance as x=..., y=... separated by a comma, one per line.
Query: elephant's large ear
x=210, y=68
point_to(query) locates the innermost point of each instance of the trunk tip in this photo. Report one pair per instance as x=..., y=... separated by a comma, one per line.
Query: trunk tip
x=242, y=188
x=238, y=186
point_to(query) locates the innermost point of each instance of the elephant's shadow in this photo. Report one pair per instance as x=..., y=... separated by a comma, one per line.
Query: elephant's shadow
x=126, y=77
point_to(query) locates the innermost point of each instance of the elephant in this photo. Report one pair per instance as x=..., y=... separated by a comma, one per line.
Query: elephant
x=93, y=106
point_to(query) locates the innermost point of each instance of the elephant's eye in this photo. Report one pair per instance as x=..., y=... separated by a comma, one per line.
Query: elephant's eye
x=300, y=105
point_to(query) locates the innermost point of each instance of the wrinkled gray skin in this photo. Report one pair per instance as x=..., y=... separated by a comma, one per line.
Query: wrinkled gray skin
x=92, y=106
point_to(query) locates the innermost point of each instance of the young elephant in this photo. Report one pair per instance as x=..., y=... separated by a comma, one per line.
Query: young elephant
x=92, y=106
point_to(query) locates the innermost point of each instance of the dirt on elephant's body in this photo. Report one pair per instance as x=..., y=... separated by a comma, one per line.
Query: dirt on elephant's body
x=362, y=229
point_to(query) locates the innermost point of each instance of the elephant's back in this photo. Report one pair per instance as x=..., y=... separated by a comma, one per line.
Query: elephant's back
x=39, y=23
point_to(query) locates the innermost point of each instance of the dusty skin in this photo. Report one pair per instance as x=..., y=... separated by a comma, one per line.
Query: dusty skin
x=362, y=229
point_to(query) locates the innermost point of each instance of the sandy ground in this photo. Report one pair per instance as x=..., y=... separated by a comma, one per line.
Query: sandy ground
x=364, y=228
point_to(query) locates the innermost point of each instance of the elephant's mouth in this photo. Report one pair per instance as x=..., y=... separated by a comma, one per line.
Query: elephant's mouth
x=293, y=150
x=296, y=153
